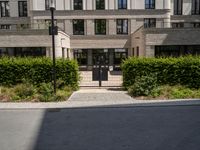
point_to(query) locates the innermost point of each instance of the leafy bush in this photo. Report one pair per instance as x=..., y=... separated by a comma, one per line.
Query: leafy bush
x=172, y=71
x=46, y=92
x=143, y=86
x=37, y=70
x=23, y=92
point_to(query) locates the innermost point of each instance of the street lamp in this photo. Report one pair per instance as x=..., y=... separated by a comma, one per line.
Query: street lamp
x=52, y=9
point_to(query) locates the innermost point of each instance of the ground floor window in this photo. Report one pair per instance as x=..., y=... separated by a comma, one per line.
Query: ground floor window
x=176, y=51
x=107, y=57
x=81, y=56
x=120, y=55
x=23, y=51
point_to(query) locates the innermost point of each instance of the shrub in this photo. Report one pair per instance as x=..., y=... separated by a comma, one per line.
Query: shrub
x=37, y=70
x=182, y=92
x=172, y=71
x=143, y=86
x=46, y=92
x=23, y=91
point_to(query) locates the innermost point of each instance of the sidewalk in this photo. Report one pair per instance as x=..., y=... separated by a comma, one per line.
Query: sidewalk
x=100, y=98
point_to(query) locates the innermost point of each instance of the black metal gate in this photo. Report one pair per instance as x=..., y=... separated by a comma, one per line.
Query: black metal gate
x=100, y=68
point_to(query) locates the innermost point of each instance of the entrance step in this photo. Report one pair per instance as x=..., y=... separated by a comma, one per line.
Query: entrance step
x=114, y=79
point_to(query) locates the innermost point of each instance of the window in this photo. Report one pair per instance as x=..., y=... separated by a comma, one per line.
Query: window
x=177, y=25
x=149, y=4
x=196, y=25
x=5, y=27
x=195, y=7
x=29, y=51
x=78, y=4
x=47, y=4
x=137, y=51
x=120, y=55
x=4, y=8
x=178, y=7
x=81, y=56
x=149, y=23
x=22, y=6
x=78, y=27
x=122, y=4
x=167, y=51
x=122, y=26
x=100, y=4
x=100, y=26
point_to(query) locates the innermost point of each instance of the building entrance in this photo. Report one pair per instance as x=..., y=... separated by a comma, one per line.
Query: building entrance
x=89, y=58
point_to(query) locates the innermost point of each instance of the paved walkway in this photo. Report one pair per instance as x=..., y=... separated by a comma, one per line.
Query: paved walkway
x=99, y=98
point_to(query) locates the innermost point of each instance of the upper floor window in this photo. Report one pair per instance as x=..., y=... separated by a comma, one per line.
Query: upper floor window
x=149, y=4
x=22, y=6
x=178, y=7
x=100, y=4
x=122, y=26
x=149, y=23
x=47, y=4
x=195, y=7
x=122, y=4
x=4, y=9
x=78, y=4
x=78, y=27
x=100, y=26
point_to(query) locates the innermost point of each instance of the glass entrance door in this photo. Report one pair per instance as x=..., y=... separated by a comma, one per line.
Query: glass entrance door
x=100, y=56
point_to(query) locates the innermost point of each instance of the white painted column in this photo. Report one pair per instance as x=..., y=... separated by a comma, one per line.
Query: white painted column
x=106, y=4
x=94, y=5
x=84, y=5
x=167, y=21
x=72, y=4
x=167, y=4
x=128, y=4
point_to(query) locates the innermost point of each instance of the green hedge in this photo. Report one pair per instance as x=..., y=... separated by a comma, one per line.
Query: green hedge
x=37, y=70
x=172, y=71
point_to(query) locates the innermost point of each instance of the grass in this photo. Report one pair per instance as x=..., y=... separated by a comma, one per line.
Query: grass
x=172, y=92
x=25, y=92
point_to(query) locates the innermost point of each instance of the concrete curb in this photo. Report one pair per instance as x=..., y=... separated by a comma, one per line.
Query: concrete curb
x=97, y=104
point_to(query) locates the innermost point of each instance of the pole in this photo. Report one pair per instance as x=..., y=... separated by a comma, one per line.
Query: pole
x=53, y=48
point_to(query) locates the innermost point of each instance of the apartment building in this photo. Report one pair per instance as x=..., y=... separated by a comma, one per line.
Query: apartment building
x=110, y=29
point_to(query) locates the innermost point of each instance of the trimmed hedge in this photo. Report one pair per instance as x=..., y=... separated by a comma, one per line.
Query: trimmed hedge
x=37, y=71
x=172, y=71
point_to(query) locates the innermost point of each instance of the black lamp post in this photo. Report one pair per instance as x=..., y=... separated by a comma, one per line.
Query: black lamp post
x=52, y=9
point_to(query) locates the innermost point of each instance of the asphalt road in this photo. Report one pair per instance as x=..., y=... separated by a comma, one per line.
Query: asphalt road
x=133, y=128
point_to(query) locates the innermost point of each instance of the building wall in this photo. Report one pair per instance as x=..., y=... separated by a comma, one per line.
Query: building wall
x=14, y=18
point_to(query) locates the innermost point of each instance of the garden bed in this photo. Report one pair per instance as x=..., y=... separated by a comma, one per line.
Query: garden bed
x=29, y=93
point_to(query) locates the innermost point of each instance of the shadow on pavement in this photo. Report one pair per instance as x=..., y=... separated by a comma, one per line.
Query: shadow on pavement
x=139, y=128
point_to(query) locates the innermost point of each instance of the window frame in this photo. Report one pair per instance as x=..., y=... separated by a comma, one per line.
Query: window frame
x=5, y=27
x=78, y=32
x=121, y=25
x=79, y=5
x=151, y=23
x=151, y=4
x=122, y=4
x=24, y=7
x=6, y=11
x=101, y=21
x=177, y=10
x=101, y=3
x=195, y=7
